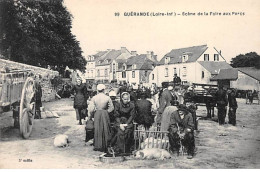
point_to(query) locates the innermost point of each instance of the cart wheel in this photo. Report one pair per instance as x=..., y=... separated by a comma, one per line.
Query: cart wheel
x=27, y=108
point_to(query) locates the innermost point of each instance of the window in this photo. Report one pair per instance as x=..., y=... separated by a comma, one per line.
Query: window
x=202, y=74
x=216, y=57
x=184, y=72
x=184, y=58
x=166, y=72
x=133, y=74
x=167, y=60
x=206, y=57
x=123, y=74
x=124, y=67
x=145, y=73
x=175, y=70
x=152, y=76
x=114, y=67
x=106, y=74
x=134, y=66
x=98, y=72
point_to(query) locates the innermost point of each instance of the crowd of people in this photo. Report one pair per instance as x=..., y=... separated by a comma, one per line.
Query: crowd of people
x=112, y=113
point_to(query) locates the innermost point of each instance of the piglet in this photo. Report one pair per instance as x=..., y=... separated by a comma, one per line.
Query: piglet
x=61, y=140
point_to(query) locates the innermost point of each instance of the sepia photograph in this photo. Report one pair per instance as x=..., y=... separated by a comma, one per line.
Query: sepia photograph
x=129, y=84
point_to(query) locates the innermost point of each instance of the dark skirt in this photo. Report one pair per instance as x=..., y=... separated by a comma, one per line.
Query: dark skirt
x=123, y=141
x=102, y=131
x=80, y=101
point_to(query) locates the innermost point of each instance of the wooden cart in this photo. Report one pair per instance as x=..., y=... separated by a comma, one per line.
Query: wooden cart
x=17, y=92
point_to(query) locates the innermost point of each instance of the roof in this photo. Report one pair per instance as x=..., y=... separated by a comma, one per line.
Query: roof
x=99, y=54
x=250, y=71
x=214, y=66
x=139, y=59
x=147, y=66
x=142, y=62
x=226, y=74
x=176, y=54
x=113, y=54
x=121, y=60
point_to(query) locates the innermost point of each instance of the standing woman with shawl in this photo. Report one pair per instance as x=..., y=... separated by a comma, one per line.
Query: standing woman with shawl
x=80, y=101
x=102, y=132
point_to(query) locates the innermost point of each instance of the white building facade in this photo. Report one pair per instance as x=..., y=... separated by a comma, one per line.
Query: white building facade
x=193, y=65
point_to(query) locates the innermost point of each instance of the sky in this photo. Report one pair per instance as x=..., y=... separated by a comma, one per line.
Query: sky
x=97, y=28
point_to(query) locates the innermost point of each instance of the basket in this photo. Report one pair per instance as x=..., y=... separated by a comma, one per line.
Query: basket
x=116, y=159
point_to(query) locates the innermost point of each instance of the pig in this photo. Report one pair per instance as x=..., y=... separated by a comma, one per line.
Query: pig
x=48, y=114
x=61, y=140
x=153, y=153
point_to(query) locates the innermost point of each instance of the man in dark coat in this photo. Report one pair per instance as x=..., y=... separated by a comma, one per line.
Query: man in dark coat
x=210, y=103
x=176, y=80
x=133, y=96
x=181, y=131
x=165, y=100
x=144, y=112
x=222, y=101
x=250, y=96
x=38, y=97
x=232, y=107
x=123, y=88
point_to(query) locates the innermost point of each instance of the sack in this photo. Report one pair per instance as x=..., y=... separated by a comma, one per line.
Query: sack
x=90, y=124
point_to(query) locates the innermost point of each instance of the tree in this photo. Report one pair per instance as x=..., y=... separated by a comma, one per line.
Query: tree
x=251, y=59
x=39, y=33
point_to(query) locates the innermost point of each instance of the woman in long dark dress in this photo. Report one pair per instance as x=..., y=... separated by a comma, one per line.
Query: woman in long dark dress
x=112, y=95
x=124, y=116
x=80, y=100
x=102, y=132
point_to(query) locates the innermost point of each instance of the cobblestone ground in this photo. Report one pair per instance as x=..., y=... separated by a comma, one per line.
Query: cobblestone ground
x=217, y=146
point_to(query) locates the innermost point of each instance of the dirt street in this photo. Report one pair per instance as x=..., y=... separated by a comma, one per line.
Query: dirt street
x=217, y=146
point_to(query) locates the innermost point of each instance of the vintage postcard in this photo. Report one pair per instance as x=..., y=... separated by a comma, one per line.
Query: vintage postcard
x=129, y=84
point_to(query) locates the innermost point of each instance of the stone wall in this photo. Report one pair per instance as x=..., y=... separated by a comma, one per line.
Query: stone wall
x=47, y=75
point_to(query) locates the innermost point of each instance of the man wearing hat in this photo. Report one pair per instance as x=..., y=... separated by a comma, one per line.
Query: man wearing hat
x=144, y=112
x=38, y=96
x=176, y=80
x=165, y=99
x=181, y=131
x=222, y=101
x=232, y=102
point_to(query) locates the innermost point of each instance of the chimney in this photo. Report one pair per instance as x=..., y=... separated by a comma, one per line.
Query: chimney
x=150, y=55
x=134, y=53
x=123, y=50
x=220, y=52
x=155, y=57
